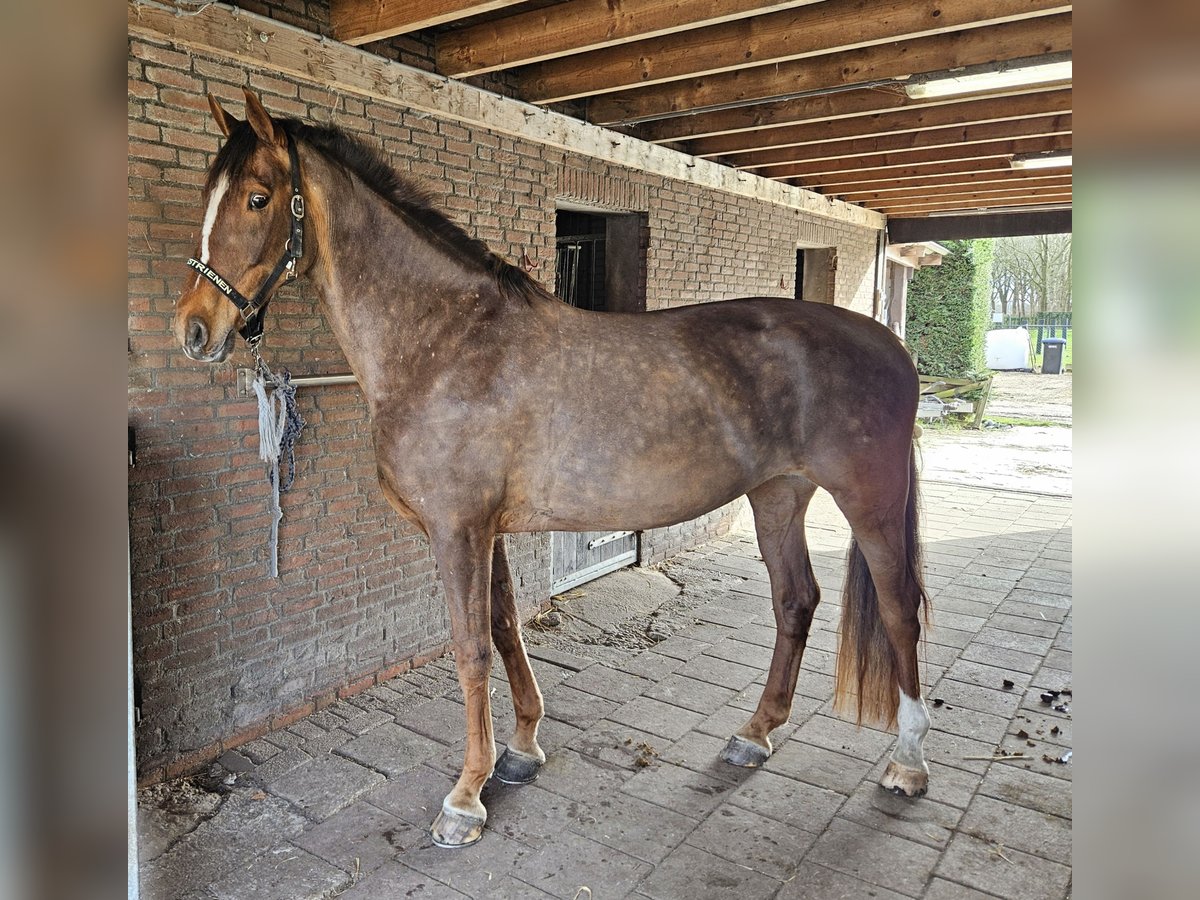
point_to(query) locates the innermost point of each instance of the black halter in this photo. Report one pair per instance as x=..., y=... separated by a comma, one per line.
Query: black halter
x=254, y=311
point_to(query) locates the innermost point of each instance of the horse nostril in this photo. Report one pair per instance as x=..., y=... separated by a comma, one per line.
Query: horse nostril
x=197, y=335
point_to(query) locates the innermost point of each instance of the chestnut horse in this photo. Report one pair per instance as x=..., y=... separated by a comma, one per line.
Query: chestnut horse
x=496, y=408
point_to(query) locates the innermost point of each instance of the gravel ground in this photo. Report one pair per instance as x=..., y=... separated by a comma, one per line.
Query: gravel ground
x=1018, y=457
x=1028, y=395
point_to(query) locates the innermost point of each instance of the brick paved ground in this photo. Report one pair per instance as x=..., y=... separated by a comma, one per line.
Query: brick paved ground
x=633, y=800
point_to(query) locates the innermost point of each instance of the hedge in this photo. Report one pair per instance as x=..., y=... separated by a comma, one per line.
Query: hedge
x=948, y=310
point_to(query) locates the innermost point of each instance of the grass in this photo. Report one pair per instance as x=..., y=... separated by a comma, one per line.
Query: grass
x=1017, y=420
x=966, y=421
x=1037, y=359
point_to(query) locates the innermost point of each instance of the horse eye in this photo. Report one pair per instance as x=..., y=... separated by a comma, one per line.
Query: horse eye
x=258, y=201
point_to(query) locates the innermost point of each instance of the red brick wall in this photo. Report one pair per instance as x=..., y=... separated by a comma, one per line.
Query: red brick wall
x=222, y=650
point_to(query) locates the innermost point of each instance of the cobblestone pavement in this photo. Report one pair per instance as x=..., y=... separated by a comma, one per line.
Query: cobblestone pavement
x=633, y=800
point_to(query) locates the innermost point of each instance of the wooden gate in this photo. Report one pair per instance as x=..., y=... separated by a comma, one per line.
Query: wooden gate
x=581, y=556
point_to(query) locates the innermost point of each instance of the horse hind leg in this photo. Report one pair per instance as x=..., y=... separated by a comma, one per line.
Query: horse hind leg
x=881, y=625
x=522, y=758
x=779, y=506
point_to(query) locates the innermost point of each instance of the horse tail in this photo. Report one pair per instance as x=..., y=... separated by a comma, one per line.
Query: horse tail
x=867, y=675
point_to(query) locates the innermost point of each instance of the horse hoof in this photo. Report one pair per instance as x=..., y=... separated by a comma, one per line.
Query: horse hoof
x=515, y=767
x=745, y=753
x=453, y=828
x=905, y=781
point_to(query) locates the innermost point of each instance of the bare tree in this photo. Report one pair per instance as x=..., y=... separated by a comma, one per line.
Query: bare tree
x=1031, y=276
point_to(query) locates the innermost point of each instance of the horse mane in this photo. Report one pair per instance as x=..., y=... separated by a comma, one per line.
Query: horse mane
x=406, y=196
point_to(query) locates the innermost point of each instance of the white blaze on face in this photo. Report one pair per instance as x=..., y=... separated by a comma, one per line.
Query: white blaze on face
x=210, y=219
x=913, y=719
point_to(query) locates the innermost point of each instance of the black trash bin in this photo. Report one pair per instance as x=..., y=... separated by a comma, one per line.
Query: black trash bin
x=1052, y=355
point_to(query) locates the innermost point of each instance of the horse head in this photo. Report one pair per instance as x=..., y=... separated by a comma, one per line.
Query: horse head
x=249, y=230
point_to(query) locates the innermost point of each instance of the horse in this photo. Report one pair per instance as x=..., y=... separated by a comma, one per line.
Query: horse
x=496, y=408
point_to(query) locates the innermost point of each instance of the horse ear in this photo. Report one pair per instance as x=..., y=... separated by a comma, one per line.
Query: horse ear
x=225, y=121
x=260, y=120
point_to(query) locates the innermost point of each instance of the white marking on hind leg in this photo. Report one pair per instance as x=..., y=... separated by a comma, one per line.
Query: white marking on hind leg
x=913, y=719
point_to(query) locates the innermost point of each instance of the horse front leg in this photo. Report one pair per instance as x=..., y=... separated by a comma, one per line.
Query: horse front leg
x=522, y=758
x=464, y=557
x=779, y=507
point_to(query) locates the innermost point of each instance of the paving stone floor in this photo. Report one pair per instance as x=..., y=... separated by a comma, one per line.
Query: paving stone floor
x=633, y=800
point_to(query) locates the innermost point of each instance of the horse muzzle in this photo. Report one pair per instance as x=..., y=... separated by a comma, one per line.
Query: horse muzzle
x=195, y=340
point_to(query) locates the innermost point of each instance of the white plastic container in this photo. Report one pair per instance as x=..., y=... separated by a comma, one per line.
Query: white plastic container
x=1007, y=348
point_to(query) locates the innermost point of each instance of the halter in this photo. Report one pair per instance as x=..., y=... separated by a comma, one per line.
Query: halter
x=253, y=311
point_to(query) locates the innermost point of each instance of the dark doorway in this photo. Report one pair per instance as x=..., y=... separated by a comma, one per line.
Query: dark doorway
x=580, y=259
x=600, y=260
x=599, y=265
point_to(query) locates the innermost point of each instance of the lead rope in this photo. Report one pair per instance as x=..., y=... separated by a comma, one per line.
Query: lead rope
x=279, y=425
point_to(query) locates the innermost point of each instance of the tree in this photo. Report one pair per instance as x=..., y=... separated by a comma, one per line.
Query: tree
x=1031, y=276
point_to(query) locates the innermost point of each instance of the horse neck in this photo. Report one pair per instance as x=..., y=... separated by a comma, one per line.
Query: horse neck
x=391, y=290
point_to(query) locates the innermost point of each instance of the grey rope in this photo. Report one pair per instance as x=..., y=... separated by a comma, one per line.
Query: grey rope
x=279, y=425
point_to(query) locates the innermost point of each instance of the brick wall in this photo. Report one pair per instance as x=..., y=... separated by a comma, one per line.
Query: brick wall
x=221, y=650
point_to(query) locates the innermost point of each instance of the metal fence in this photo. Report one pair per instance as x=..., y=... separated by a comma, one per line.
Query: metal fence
x=1047, y=325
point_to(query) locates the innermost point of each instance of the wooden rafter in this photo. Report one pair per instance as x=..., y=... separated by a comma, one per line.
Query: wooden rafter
x=363, y=21
x=833, y=190
x=818, y=108
x=834, y=184
x=578, y=26
x=1012, y=40
x=929, y=139
x=1063, y=200
x=982, y=182
x=972, y=197
x=826, y=28
x=904, y=159
x=967, y=112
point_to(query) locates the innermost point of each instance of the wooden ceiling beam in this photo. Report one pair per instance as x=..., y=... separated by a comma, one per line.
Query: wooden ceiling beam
x=362, y=21
x=834, y=183
x=983, y=182
x=578, y=26
x=1055, y=201
x=999, y=172
x=819, y=108
x=976, y=46
x=906, y=158
x=991, y=197
x=999, y=224
x=967, y=112
x=1010, y=129
x=824, y=29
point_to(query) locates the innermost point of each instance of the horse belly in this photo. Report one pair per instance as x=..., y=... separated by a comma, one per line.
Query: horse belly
x=637, y=478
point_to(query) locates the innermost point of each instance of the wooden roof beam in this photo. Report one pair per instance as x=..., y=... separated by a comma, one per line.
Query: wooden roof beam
x=933, y=138
x=834, y=183
x=976, y=46
x=996, y=182
x=820, y=30
x=746, y=120
x=900, y=159
x=994, y=205
x=869, y=187
x=362, y=21
x=578, y=26
x=966, y=112
x=991, y=197
x=976, y=225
